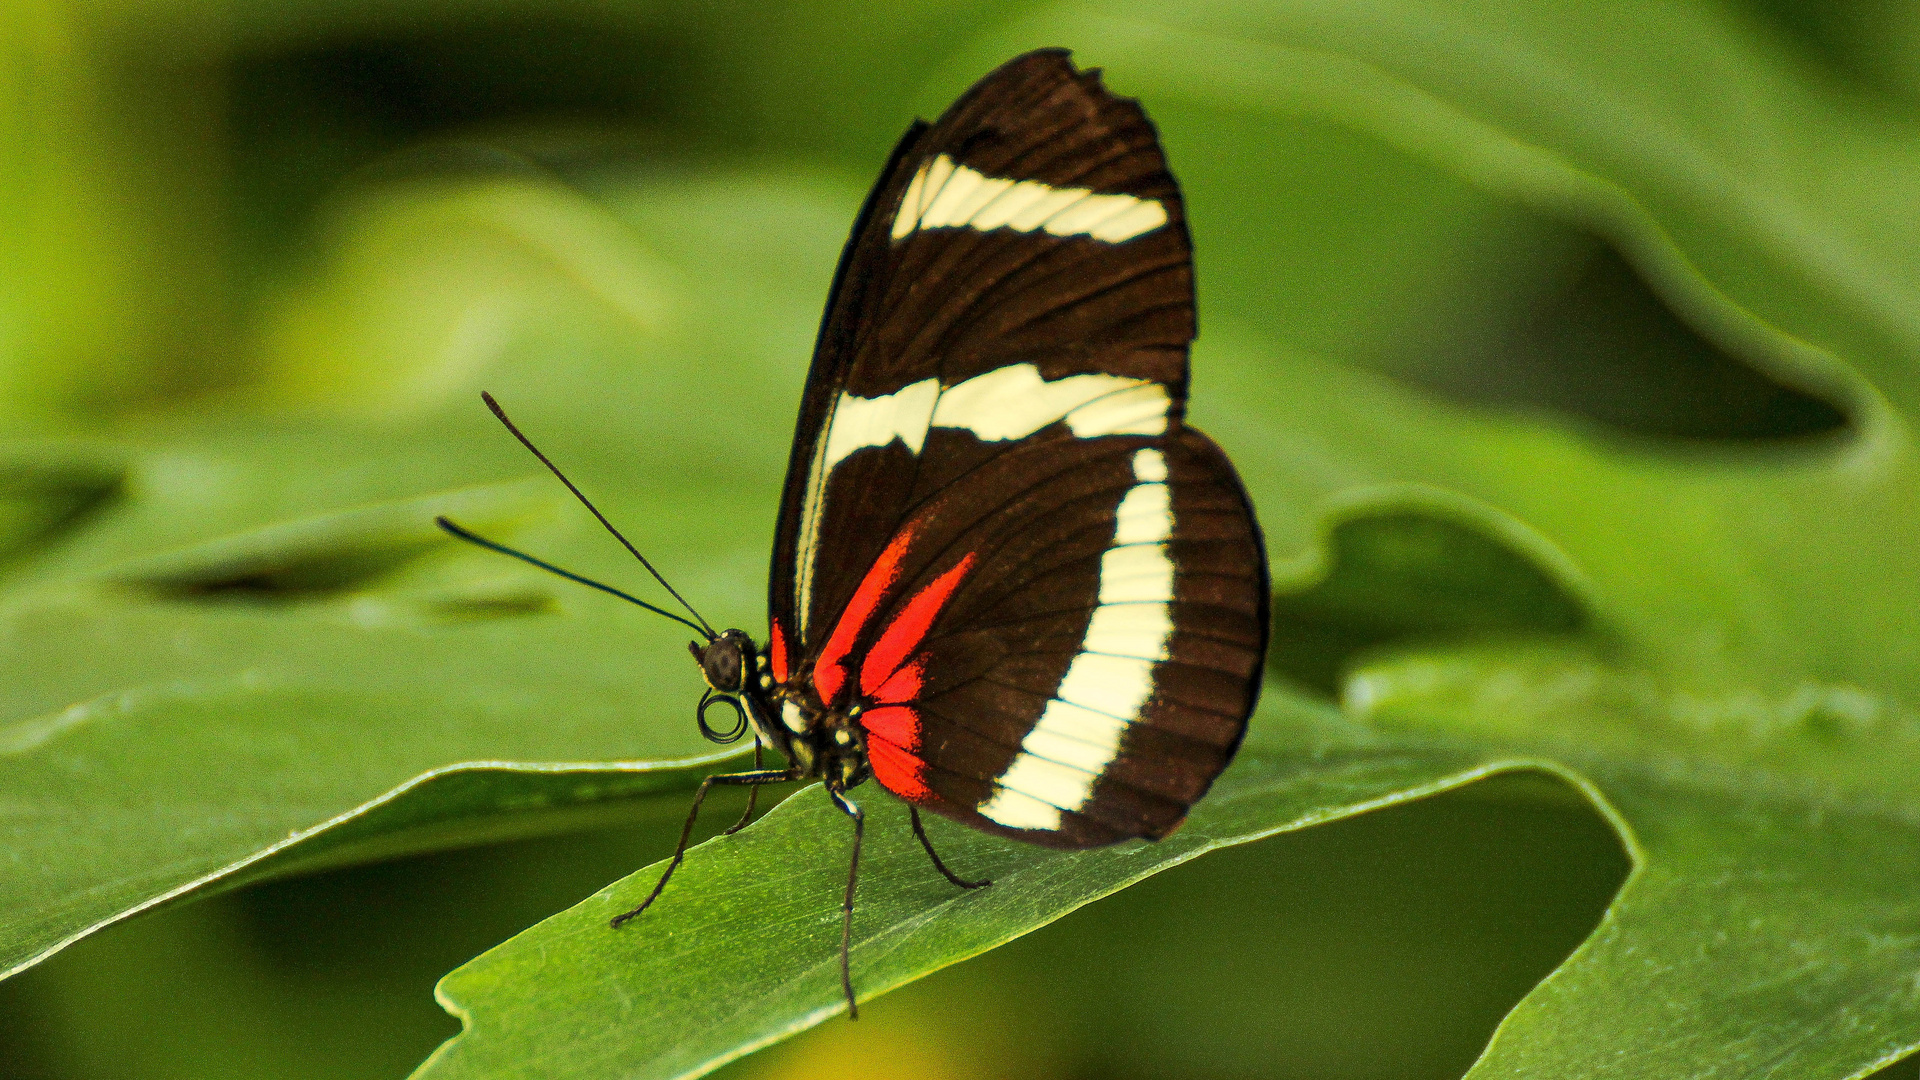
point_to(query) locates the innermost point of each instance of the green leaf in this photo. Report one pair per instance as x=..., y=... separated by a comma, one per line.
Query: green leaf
x=1569, y=356
x=1580, y=430
x=743, y=947
x=1760, y=938
x=236, y=646
x=240, y=712
x=1770, y=841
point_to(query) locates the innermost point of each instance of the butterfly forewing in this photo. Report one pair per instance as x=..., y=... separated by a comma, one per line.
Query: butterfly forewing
x=999, y=540
x=947, y=301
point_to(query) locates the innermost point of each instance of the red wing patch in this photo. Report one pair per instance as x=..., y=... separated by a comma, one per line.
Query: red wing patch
x=907, y=630
x=829, y=677
x=777, y=652
x=890, y=677
x=893, y=733
x=902, y=686
x=897, y=724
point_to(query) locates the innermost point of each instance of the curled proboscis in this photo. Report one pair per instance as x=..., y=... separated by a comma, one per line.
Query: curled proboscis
x=739, y=728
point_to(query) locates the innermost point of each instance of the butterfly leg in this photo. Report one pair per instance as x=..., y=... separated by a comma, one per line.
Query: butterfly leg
x=752, y=779
x=846, y=905
x=919, y=831
x=753, y=793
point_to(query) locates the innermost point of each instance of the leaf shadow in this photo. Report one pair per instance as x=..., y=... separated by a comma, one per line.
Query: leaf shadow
x=1405, y=576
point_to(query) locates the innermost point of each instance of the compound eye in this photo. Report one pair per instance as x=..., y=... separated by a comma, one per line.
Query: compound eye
x=723, y=665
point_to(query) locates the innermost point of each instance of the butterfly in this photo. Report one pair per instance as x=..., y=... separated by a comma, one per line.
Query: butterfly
x=1010, y=584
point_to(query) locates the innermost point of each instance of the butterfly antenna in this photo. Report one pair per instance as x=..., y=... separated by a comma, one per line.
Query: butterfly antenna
x=704, y=627
x=503, y=549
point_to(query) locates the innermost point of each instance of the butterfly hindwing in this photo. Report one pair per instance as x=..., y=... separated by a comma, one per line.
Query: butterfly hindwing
x=1094, y=658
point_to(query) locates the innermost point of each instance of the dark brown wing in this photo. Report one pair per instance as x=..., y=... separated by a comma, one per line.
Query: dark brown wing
x=922, y=297
x=999, y=539
x=1092, y=670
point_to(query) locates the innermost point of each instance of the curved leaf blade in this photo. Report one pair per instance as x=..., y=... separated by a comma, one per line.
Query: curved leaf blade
x=1757, y=939
x=742, y=948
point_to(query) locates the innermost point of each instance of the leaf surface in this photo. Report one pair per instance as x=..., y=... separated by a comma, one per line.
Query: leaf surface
x=1424, y=228
x=1569, y=355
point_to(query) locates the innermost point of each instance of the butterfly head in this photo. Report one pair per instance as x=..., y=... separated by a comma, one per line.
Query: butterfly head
x=726, y=661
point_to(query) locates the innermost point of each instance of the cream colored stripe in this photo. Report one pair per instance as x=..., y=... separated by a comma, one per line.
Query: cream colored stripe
x=945, y=195
x=1110, y=682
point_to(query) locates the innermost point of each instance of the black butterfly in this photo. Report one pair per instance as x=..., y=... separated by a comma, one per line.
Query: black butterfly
x=1009, y=582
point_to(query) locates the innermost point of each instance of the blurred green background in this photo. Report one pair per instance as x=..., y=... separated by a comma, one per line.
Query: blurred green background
x=343, y=218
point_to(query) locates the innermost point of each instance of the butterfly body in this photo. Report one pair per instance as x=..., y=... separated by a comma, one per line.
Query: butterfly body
x=1010, y=583
x=817, y=742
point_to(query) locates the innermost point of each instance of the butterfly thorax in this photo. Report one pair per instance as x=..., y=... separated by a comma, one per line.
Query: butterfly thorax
x=818, y=741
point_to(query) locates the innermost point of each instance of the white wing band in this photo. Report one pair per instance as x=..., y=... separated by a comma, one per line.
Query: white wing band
x=1011, y=402
x=1109, y=683
x=943, y=195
